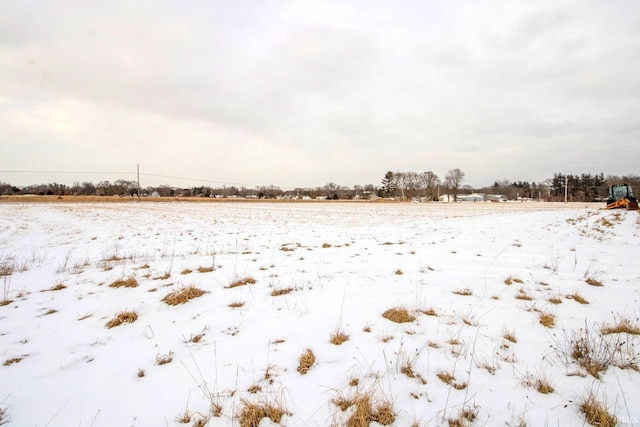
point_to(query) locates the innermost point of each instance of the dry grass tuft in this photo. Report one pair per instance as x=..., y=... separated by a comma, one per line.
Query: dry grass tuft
x=595, y=412
x=465, y=417
x=430, y=312
x=306, y=361
x=4, y=418
x=543, y=386
x=511, y=280
x=122, y=317
x=254, y=389
x=338, y=337
x=326, y=245
x=163, y=359
x=236, y=304
x=141, y=373
x=450, y=380
x=510, y=336
x=365, y=413
x=593, y=282
x=57, y=287
x=205, y=269
x=11, y=361
x=130, y=282
x=251, y=413
x=186, y=271
x=578, y=298
x=281, y=291
x=197, y=337
x=182, y=295
x=399, y=272
x=547, y=320
x=555, y=300
x=241, y=282
x=624, y=325
x=464, y=292
x=398, y=315
x=523, y=295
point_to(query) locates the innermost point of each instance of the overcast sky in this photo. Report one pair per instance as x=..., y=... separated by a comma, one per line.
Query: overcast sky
x=302, y=93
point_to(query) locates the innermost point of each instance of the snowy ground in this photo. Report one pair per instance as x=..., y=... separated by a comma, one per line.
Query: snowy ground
x=475, y=277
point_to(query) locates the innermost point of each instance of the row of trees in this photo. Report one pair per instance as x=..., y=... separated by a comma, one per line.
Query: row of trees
x=397, y=185
x=424, y=185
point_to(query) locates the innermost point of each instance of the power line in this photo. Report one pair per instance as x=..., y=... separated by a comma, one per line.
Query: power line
x=131, y=173
x=69, y=172
x=200, y=180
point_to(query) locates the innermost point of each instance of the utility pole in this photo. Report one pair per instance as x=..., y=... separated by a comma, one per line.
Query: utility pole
x=138, y=182
x=566, y=185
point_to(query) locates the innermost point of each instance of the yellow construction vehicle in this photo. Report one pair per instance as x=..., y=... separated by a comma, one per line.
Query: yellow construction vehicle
x=621, y=197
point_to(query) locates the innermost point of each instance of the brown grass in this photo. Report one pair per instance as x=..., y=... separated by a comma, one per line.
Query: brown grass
x=450, y=380
x=241, y=282
x=547, y=320
x=326, y=245
x=130, y=282
x=595, y=412
x=281, y=291
x=182, y=295
x=365, y=413
x=205, y=269
x=141, y=373
x=593, y=282
x=464, y=292
x=121, y=318
x=306, y=361
x=57, y=287
x=163, y=359
x=511, y=280
x=197, y=337
x=236, y=304
x=338, y=337
x=11, y=361
x=398, y=315
x=624, y=325
x=50, y=311
x=430, y=312
x=578, y=298
x=543, y=386
x=510, y=336
x=254, y=389
x=555, y=300
x=465, y=417
x=522, y=295
x=251, y=413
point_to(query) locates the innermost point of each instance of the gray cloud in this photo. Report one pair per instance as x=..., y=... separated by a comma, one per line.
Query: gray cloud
x=302, y=93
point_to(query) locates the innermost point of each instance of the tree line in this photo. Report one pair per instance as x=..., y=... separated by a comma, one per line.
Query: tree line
x=398, y=185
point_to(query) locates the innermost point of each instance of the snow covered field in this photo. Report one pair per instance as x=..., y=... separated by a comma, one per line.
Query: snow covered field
x=477, y=282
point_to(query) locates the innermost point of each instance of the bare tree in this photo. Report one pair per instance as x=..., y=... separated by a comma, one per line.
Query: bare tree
x=430, y=183
x=452, y=181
